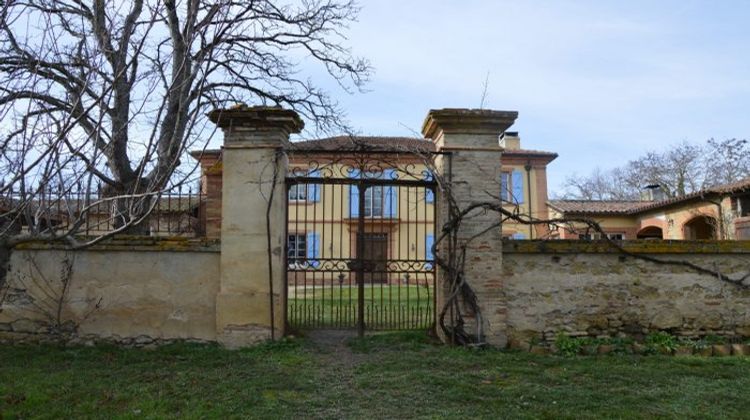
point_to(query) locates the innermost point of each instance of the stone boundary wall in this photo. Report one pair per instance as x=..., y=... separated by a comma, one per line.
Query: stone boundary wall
x=130, y=291
x=590, y=289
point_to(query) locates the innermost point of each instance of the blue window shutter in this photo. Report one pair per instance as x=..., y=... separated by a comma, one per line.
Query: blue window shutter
x=429, y=195
x=313, y=190
x=504, y=193
x=390, y=206
x=354, y=195
x=517, y=186
x=519, y=236
x=313, y=248
x=429, y=242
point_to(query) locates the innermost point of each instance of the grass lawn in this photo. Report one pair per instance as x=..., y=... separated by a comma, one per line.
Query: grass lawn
x=383, y=376
x=386, y=306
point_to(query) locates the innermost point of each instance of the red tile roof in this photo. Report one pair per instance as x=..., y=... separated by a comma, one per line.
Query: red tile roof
x=367, y=143
x=378, y=144
x=635, y=207
x=596, y=207
x=741, y=185
x=391, y=143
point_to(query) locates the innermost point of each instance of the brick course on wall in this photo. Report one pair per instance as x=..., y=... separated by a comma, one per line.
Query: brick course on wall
x=589, y=289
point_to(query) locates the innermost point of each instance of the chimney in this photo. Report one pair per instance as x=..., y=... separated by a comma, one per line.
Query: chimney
x=510, y=140
x=652, y=192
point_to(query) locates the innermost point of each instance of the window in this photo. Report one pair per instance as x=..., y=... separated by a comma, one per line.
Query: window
x=511, y=187
x=379, y=201
x=298, y=192
x=741, y=206
x=374, y=202
x=296, y=248
x=306, y=191
x=505, y=186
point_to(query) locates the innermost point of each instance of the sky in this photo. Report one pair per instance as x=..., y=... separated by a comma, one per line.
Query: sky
x=598, y=82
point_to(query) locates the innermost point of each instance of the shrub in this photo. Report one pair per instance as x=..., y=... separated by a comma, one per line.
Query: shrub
x=660, y=342
x=568, y=346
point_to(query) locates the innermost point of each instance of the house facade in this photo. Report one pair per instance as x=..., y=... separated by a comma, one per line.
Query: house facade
x=400, y=220
x=720, y=213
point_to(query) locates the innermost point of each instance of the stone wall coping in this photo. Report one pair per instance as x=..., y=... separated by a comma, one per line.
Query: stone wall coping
x=635, y=246
x=475, y=121
x=133, y=244
x=258, y=117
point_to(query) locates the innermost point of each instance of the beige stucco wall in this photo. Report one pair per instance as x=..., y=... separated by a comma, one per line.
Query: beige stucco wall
x=627, y=226
x=670, y=219
x=158, y=291
x=584, y=289
x=535, y=193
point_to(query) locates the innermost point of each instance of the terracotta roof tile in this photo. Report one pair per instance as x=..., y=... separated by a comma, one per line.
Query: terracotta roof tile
x=634, y=207
x=596, y=207
x=741, y=185
x=367, y=143
x=390, y=143
x=377, y=144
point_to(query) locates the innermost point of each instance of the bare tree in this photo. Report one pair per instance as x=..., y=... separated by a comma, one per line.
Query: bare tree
x=599, y=185
x=115, y=92
x=682, y=169
x=727, y=161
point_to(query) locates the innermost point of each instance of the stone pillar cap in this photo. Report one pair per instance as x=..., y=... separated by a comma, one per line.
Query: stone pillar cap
x=465, y=120
x=257, y=116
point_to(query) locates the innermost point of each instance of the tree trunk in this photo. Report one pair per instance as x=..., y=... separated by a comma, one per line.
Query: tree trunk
x=130, y=211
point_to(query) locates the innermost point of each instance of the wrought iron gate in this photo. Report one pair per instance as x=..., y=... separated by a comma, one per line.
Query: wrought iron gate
x=359, y=242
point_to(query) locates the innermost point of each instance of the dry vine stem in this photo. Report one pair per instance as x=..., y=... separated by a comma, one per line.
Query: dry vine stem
x=460, y=291
x=450, y=250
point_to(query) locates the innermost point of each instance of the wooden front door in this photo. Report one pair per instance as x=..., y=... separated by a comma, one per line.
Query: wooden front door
x=375, y=257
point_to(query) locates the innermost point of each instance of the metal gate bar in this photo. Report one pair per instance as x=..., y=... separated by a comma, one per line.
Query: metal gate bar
x=365, y=269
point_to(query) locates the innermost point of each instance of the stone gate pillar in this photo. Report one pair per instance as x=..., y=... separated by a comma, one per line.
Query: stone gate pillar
x=473, y=169
x=253, y=138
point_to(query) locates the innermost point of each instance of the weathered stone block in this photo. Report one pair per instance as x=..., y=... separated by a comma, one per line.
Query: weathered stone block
x=25, y=326
x=721, y=349
x=741, y=349
x=666, y=319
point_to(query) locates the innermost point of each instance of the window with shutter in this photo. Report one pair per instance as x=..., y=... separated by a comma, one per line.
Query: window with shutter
x=354, y=195
x=505, y=186
x=313, y=248
x=517, y=186
x=313, y=190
